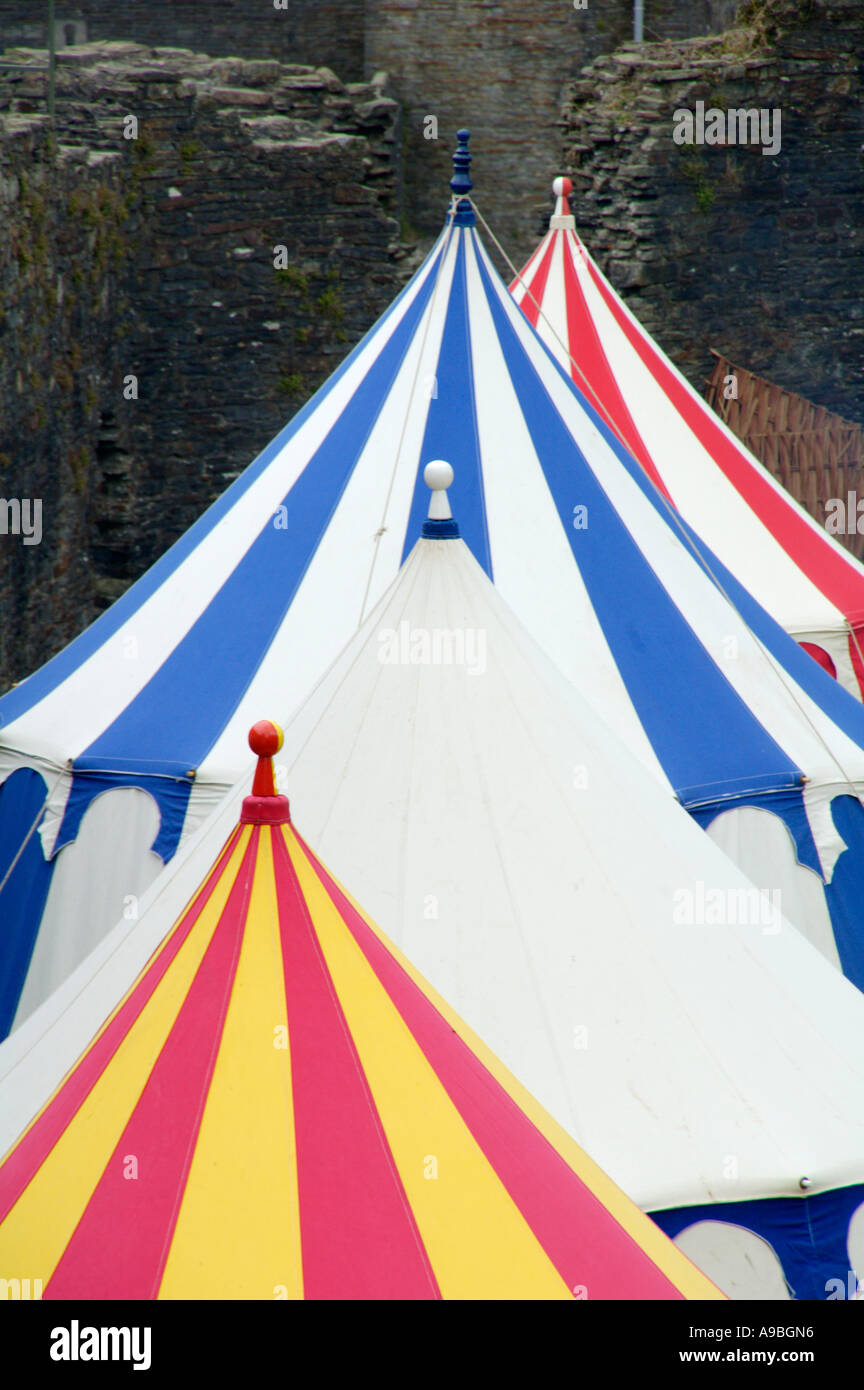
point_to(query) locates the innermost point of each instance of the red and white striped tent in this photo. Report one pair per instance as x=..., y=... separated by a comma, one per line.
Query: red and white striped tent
x=804, y=578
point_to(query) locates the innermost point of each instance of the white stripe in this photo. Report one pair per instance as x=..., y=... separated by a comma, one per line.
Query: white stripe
x=69, y=719
x=325, y=612
x=702, y=492
x=527, y=274
x=532, y=561
x=709, y=614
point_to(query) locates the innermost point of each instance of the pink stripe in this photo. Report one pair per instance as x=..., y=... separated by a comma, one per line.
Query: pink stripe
x=587, y=349
x=820, y=656
x=585, y=1243
x=29, y=1155
x=838, y=580
x=359, y=1236
x=119, y=1247
x=536, y=283
x=524, y=278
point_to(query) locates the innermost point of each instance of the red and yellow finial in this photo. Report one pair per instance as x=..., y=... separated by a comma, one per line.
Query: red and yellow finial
x=265, y=806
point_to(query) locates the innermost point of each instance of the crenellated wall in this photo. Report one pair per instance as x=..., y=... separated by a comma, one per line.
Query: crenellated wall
x=497, y=66
x=292, y=31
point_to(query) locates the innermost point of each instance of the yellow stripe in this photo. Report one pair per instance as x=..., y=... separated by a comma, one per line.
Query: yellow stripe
x=38, y=1228
x=478, y=1242
x=238, y=1233
x=159, y=950
x=682, y=1273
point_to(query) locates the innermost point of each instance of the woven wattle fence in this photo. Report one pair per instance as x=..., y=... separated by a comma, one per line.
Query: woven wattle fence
x=814, y=453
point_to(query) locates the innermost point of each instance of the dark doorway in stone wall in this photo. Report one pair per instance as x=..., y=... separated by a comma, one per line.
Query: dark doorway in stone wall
x=68, y=32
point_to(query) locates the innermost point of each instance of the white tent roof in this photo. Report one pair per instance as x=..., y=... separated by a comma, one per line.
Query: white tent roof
x=505, y=840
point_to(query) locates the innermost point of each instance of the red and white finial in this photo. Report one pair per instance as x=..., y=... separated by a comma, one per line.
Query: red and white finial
x=562, y=218
x=265, y=806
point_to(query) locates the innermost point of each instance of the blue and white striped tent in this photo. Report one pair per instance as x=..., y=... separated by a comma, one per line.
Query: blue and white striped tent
x=122, y=744
x=542, y=909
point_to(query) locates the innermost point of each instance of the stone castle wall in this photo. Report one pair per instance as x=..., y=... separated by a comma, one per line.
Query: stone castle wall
x=499, y=69
x=60, y=304
x=315, y=32
x=153, y=259
x=720, y=246
x=497, y=66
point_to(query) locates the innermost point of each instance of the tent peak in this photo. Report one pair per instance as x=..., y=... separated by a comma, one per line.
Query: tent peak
x=562, y=218
x=438, y=476
x=460, y=183
x=265, y=806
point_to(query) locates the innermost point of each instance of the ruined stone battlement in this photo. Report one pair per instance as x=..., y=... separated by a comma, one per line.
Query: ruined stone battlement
x=752, y=248
x=149, y=345
x=496, y=66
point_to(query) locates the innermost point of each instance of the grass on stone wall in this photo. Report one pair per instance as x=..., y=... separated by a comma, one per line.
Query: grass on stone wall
x=292, y=277
x=291, y=384
x=693, y=169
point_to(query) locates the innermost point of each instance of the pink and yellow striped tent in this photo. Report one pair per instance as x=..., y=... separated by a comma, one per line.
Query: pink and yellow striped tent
x=281, y=1107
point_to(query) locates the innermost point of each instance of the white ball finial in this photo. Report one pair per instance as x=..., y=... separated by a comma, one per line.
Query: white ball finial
x=438, y=475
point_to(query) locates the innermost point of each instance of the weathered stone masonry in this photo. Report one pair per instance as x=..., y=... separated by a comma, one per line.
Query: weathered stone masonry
x=497, y=66
x=761, y=258
x=298, y=31
x=154, y=259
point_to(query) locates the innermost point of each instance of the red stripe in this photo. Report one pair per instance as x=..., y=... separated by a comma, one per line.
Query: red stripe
x=120, y=1245
x=587, y=349
x=856, y=647
x=585, y=1243
x=358, y=1233
x=820, y=656
x=837, y=579
x=31, y=1152
x=524, y=278
x=533, y=297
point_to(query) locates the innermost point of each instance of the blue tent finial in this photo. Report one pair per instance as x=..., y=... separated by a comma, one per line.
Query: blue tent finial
x=461, y=180
x=460, y=183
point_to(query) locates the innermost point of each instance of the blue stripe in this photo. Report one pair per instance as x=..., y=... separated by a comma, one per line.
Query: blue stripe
x=171, y=795
x=23, y=897
x=786, y=804
x=181, y=712
x=35, y=688
x=844, y=709
x=809, y=1235
x=701, y=730
x=845, y=893
x=714, y=793
x=841, y=707
x=451, y=426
